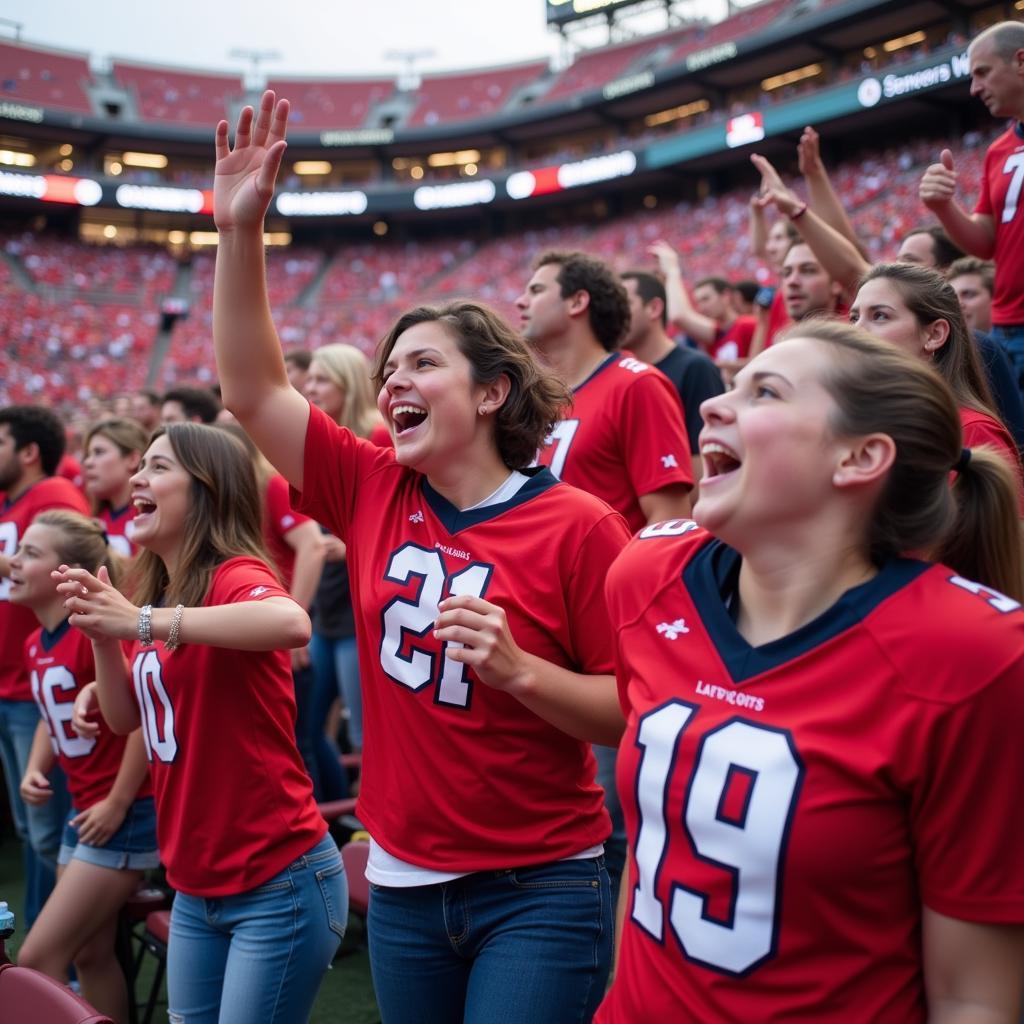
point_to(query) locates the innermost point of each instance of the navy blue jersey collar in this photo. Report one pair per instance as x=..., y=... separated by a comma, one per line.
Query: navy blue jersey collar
x=601, y=367
x=9, y=502
x=50, y=640
x=1018, y=127
x=454, y=519
x=117, y=513
x=711, y=577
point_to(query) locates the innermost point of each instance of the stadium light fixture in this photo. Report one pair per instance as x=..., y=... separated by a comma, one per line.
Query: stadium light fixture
x=1019, y=5
x=416, y=172
x=902, y=42
x=156, y=161
x=66, y=150
x=676, y=113
x=791, y=77
x=312, y=167
x=462, y=156
x=12, y=158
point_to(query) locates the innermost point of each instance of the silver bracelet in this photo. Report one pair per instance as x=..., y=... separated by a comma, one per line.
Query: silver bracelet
x=174, y=634
x=145, y=627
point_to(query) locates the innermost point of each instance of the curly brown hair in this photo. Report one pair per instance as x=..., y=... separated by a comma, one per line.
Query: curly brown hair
x=608, y=310
x=536, y=399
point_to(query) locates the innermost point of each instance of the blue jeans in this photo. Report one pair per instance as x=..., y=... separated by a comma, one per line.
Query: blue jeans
x=522, y=946
x=260, y=955
x=336, y=664
x=39, y=828
x=1011, y=337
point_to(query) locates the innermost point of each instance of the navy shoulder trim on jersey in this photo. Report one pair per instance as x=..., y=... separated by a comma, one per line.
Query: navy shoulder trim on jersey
x=454, y=520
x=50, y=640
x=713, y=574
x=118, y=513
x=612, y=356
x=9, y=503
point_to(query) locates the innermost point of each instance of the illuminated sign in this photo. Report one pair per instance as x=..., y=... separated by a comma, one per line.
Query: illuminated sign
x=631, y=83
x=164, y=200
x=745, y=129
x=461, y=193
x=358, y=137
x=545, y=180
x=871, y=90
x=321, y=204
x=20, y=112
x=51, y=188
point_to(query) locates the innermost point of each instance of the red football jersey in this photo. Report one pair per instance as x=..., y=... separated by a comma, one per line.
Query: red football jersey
x=733, y=342
x=458, y=776
x=59, y=664
x=118, y=524
x=279, y=518
x=234, y=803
x=981, y=429
x=16, y=621
x=999, y=199
x=623, y=437
x=790, y=806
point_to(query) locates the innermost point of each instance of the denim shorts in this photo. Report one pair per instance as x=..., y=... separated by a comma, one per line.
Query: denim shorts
x=132, y=847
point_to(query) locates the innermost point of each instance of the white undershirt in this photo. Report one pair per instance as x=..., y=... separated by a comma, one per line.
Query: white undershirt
x=384, y=869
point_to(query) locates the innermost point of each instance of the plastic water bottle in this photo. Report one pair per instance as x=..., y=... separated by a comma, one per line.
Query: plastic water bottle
x=6, y=930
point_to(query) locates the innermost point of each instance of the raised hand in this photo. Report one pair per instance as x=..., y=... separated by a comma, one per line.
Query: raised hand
x=99, y=610
x=938, y=185
x=244, y=176
x=667, y=257
x=773, y=191
x=809, y=154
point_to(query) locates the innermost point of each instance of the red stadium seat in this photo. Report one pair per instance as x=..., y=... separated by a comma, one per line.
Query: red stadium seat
x=27, y=995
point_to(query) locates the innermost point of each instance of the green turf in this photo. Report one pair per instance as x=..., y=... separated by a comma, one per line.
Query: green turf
x=346, y=994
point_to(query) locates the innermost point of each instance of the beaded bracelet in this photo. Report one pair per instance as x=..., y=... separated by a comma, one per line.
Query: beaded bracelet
x=174, y=634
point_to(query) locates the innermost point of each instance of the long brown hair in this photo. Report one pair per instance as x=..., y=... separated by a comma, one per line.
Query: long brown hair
x=972, y=526
x=930, y=297
x=224, y=517
x=536, y=399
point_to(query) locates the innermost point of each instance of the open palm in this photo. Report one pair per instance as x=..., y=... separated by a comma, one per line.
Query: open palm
x=244, y=176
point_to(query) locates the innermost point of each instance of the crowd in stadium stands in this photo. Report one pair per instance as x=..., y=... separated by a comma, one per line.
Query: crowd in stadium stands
x=136, y=274
x=727, y=492
x=363, y=285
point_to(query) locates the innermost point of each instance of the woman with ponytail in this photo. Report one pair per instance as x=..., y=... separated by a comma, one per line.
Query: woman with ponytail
x=915, y=308
x=110, y=836
x=822, y=755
